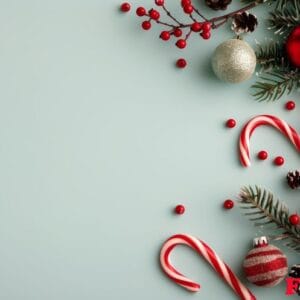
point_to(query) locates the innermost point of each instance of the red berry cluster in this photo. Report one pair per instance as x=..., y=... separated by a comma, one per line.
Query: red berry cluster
x=202, y=28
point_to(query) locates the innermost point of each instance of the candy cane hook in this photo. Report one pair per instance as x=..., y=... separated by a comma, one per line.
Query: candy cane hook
x=281, y=125
x=210, y=256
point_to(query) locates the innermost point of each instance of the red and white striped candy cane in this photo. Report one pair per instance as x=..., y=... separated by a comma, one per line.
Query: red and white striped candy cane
x=260, y=120
x=210, y=256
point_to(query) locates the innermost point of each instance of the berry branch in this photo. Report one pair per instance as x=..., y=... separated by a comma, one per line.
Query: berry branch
x=203, y=27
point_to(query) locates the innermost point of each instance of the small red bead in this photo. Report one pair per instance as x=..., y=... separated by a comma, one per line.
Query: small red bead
x=262, y=155
x=205, y=35
x=140, y=11
x=181, y=63
x=188, y=9
x=181, y=44
x=279, y=161
x=159, y=2
x=165, y=35
x=196, y=27
x=228, y=204
x=125, y=7
x=206, y=26
x=179, y=209
x=294, y=219
x=290, y=105
x=146, y=25
x=186, y=2
x=154, y=14
x=230, y=123
x=177, y=32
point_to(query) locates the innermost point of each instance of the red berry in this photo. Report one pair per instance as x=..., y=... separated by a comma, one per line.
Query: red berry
x=290, y=105
x=188, y=9
x=206, y=26
x=140, y=11
x=146, y=25
x=159, y=2
x=165, y=35
x=262, y=155
x=177, y=32
x=279, y=161
x=154, y=14
x=181, y=44
x=231, y=123
x=294, y=219
x=196, y=27
x=185, y=2
x=181, y=63
x=125, y=7
x=228, y=204
x=205, y=35
x=179, y=209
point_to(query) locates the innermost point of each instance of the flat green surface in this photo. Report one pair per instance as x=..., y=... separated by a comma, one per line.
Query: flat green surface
x=101, y=137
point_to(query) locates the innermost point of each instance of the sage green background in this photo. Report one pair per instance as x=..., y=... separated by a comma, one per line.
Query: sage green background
x=101, y=136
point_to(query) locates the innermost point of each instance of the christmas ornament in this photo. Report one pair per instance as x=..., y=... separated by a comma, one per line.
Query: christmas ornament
x=244, y=22
x=265, y=265
x=231, y=123
x=294, y=219
x=267, y=212
x=180, y=209
x=234, y=61
x=293, y=179
x=292, y=47
x=210, y=256
x=218, y=4
x=249, y=128
x=228, y=204
x=290, y=105
x=279, y=161
x=262, y=155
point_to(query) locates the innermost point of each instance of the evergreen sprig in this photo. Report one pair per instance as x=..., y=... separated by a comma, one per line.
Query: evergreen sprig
x=261, y=207
x=285, y=18
x=274, y=84
x=272, y=56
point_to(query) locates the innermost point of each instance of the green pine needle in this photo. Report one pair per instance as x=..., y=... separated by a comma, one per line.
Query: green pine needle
x=265, y=211
x=274, y=84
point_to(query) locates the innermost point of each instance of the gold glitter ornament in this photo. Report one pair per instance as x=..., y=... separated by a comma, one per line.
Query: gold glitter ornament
x=234, y=61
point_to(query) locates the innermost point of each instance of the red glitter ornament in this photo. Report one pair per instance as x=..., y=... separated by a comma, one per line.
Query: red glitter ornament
x=265, y=265
x=180, y=209
x=293, y=46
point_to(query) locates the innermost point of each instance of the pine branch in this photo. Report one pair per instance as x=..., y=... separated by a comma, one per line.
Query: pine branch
x=275, y=84
x=279, y=4
x=264, y=210
x=272, y=56
x=285, y=18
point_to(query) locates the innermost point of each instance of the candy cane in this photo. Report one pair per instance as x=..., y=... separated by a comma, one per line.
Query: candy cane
x=257, y=121
x=210, y=256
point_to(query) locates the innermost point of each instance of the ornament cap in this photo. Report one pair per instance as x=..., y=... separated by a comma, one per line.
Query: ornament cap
x=260, y=241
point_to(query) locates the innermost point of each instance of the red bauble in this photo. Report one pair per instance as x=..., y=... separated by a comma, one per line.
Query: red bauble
x=279, y=161
x=265, y=265
x=125, y=7
x=294, y=219
x=290, y=105
x=230, y=123
x=228, y=204
x=293, y=47
x=262, y=155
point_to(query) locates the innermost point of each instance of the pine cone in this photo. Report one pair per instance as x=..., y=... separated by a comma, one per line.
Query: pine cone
x=244, y=22
x=293, y=179
x=218, y=4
